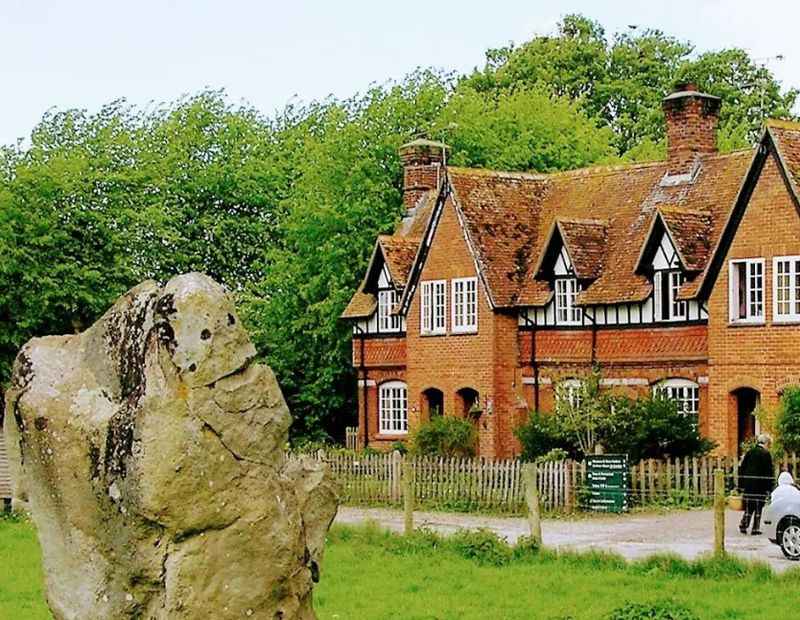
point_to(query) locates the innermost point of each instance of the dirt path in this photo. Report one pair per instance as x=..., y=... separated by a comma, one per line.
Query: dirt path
x=687, y=533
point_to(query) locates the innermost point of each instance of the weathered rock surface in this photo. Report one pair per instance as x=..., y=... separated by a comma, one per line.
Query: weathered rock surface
x=150, y=452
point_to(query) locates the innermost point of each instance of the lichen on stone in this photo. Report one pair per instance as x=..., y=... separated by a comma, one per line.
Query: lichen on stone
x=154, y=466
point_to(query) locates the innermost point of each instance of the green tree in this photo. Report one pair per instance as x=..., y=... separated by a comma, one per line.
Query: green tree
x=787, y=427
x=98, y=202
x=347, y=189
x=524, y=129
x=620, y=81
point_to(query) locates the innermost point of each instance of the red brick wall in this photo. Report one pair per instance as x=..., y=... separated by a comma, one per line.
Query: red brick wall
x=764, y=357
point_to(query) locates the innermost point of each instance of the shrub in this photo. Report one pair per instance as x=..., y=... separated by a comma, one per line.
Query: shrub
x=526, y=548
x=661, y=610
x=556, y=454
x=446, y=436
x=653, y=427
x=787, y=426
x=481, y=545
x=400, y=446
x=541, y=435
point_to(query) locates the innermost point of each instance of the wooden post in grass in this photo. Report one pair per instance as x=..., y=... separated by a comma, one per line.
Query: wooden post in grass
x=532, y=501
x=408, y=496
x=719, y=512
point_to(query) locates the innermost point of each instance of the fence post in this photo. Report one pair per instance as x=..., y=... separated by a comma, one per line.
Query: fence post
x=394, y=475
x=719, y=512
x=408, y=496
x=532, y=501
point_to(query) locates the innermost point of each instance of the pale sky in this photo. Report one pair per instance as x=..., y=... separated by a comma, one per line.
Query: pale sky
x=83, y=53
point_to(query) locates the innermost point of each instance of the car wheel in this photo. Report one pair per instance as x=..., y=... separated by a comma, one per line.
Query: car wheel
x=789, y=539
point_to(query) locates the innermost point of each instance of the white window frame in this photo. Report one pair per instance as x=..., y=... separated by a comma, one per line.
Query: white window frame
x=464, y=306
x=565, y=301
x=792, y=288
x=676, y=308
x=571, y=391
x=388, y=322
x=685, y=392
x=752, y=265
x=393, y=408
x=433, y=307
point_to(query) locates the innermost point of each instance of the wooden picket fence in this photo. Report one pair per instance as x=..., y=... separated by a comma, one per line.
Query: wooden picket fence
x=470, y=484
x=452, y=483
x=351, y=438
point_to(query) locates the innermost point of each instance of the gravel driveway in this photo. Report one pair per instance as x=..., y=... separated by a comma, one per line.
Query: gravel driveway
x=687, y=533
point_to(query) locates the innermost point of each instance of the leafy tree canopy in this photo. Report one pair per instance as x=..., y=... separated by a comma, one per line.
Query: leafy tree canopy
x=620, y=80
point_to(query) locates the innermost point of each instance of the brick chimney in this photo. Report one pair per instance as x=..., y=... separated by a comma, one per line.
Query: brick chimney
x=422, y=168
x=692, y=119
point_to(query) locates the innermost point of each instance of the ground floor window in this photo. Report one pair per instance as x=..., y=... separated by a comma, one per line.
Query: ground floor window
x=393, y=407
x=684, y=392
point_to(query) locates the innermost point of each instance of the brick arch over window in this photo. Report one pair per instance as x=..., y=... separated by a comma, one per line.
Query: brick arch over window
x=467, y=401
x=432, y=403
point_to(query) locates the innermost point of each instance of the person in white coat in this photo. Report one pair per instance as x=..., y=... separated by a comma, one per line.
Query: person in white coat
x=786, y=486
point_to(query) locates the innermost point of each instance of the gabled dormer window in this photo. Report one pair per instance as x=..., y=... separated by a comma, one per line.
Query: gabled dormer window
x=666, y=305
x=387, y=322
x=566, y=294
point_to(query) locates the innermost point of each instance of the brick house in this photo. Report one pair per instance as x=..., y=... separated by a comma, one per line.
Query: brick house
x=681, y=276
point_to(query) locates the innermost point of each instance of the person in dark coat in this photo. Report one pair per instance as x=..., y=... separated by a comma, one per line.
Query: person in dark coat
x=756, y=474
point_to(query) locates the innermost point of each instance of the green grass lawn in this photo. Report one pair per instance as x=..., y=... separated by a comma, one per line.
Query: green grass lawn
x=371, y=574
x=21, y=595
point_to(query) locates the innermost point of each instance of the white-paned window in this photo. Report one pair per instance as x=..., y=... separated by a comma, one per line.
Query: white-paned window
x=387, y=322
x=465, y=305
x=666, y=306
x=567, y=312
x=677, y=308
x=685, y=393
x=393, y=408
x=746, y=294
x=570, y=392
x=786, y=287
x=433, y=307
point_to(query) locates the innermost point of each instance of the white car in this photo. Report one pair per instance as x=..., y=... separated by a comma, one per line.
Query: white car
x=781, y=520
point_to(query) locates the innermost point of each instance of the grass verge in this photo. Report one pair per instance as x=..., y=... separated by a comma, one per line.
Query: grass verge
x=370, y=573
x=21, y=594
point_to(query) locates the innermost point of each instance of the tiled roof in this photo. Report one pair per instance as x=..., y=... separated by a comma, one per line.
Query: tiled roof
x=689, y=231
x=502, y=220
x=604, y=215
x=361, y=305
x=399, y=253
x=586, y=245
x=787, y=138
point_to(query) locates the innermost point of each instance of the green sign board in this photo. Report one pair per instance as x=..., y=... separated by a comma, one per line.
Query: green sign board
x=607, y=482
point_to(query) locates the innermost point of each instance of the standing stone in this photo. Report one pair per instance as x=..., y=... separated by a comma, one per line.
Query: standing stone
x=150, y=450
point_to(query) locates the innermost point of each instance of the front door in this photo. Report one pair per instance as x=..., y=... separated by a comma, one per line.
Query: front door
x=746, y=405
